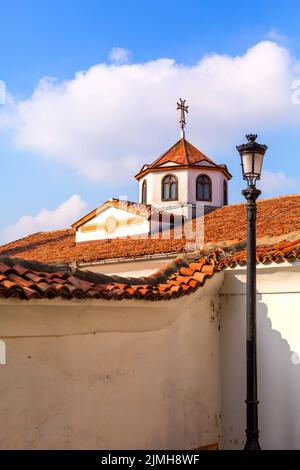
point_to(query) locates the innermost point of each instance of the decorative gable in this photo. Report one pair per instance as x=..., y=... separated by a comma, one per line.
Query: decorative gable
x=118, y=219
x=112, y=220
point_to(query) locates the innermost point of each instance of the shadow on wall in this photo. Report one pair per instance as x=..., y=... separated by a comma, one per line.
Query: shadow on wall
x=278, y=375
x=279, y=386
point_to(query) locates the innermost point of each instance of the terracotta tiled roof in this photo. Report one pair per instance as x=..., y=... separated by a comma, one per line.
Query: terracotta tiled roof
x=26, y=280
x=277, y=217
x=183, y=153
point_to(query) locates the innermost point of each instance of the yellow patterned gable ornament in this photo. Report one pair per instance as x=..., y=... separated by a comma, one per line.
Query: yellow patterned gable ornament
x=111, y=224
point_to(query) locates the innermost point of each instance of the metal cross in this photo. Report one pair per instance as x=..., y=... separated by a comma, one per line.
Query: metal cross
x=184, y=109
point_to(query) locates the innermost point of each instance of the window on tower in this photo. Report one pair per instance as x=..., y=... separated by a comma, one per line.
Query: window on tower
x=225, y=191
x=203, y=188
x=169, y=188
x=144, y=192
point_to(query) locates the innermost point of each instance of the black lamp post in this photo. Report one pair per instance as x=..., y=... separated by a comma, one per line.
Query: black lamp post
x=252, y=155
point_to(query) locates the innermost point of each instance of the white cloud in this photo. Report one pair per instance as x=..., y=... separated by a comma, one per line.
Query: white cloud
x=276, y=182
x=2, y=92
x=108, y=121
x=275, y=35
x=119, y=56
x=61, y=217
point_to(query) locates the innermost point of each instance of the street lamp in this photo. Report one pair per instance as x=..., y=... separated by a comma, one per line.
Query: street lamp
x=252, y=155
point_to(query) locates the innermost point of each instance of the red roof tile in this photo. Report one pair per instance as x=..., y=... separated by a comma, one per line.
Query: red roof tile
x=183, y=153
x=177, y=279
x=276, y=217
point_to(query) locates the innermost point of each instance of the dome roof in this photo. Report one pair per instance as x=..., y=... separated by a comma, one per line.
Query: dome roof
x=182, y=153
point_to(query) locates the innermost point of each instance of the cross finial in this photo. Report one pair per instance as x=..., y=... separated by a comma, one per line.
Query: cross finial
x=184, y=109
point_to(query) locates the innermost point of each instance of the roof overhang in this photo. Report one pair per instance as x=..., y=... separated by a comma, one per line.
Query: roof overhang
x=91, y=214
x=196, y=166
x=117, y=203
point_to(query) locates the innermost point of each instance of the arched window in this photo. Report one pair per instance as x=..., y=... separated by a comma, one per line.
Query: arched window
x=144, y=192
x=2, y=352
x=169, y=188
x=203, y=188
x=225, y=193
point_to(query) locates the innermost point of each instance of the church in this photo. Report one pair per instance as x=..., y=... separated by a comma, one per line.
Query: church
x=127, y=330
x=179, y=185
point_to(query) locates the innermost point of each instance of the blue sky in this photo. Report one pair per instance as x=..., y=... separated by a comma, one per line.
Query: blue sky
x=58, y=39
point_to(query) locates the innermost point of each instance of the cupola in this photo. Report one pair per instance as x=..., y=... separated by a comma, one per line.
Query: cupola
x=184, y=177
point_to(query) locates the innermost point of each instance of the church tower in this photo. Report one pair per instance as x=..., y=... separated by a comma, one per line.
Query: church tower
x=183, y=177
x=183, y=182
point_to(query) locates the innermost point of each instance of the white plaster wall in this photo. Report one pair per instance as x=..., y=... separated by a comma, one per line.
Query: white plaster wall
x=133, y=374
x=111, y=375
x=186, y=185
x=121, y=231
x=278, y=326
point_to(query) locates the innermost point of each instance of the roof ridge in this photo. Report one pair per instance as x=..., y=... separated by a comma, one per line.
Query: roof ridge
x=259, y=201
x=167, y=151
x=185, y=150
x=204, y=155
x=34, y=234
x=278, y=197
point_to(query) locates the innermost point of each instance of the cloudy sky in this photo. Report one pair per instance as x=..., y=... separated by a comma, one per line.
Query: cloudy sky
x=92, y=89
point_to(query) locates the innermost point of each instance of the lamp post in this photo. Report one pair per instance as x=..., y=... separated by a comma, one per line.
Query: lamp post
x=252, y=155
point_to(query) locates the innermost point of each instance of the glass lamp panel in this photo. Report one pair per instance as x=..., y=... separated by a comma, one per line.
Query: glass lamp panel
x=247, y=162
x=258, y=160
